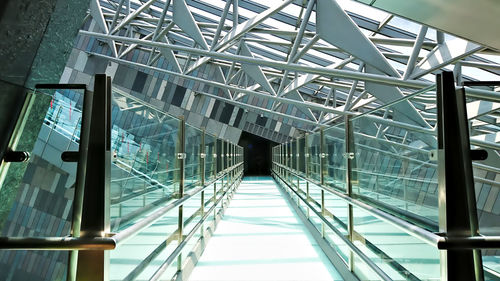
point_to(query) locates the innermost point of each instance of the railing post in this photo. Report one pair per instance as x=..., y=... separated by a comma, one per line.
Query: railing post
x=287, y=160
x=306, y=167
x=349, y=143
x=283, y=159
x=223, y=167
x=202, y=172
x=215, y=177
x=181, y=155
x=322, y=160
x=280, y=159
x=235, y=159
x=283, y=149
x=94, y=208
x=297, y=169
x=297, y=162
x=229, y=162
x=457, y=202
x=285, y=166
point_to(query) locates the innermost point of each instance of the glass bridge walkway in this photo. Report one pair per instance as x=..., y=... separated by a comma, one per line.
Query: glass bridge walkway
x=260, y=237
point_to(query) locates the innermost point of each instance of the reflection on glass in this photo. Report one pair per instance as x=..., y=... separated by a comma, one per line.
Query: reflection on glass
x=52, y=125
x=210, y=167
x=192, y=161
x=396, y=172
x=140, y=256
x=389, y=248
x=335, y=160
x=144, y=166
x=36, y=196
x=313, y=155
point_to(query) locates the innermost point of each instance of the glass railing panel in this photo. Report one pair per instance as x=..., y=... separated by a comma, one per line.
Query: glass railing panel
x=302, y=159
x=140, y=256
x=293, y=151
x=36, y=196
x=191, y=213
x=192, y=161
x=389, y=247
x=283, y=154
x=364, y=272
x=210, y=164
x=223, y=154
x=315, y=201
x=44, y=183
x=209, y=197
x=219, y=192
x=144, y=166
x=313, y=155
x=336, y=212
x=484, y=131
x=395, y=163
x=335, y=161
x=288, y=160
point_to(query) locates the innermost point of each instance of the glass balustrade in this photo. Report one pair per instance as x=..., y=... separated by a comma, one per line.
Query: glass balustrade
x=369, y=185
x=50, y=125
x=151, y=170
x=169, y=182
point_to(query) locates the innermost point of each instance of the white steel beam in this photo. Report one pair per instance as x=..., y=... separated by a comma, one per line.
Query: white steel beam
x=246, y=26
x=254, y=71
x=96, y=13
x=310, y=105
x=131, y=16
x=308, y=78
x=325, y=71
x=416, y=50
x=445, y=54
x=335, y=27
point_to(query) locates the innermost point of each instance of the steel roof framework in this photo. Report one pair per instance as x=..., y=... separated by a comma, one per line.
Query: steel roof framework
x=314, y=55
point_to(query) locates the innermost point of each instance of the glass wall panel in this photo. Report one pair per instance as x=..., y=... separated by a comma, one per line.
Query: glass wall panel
x=140, y=256
x=192, y=161
x=210, y=164
x=301, y=151
x=337, y=214
x=293, y=152
x=484, y=134
x=313, y=156
x=36, y=197
x=397, y=253
x=335, y=160
x=144, y=168
x=394, y=167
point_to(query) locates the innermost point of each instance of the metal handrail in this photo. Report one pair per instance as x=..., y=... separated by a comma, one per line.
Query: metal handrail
x=57, y=243
x=351, y=246
x=389, y=104
x=99, y=243
x=431, y=238
x=159, y=272
x=418, y=232
x=474, y=242
x=138, y=227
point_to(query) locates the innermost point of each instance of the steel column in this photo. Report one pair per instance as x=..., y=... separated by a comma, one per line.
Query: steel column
x=349, y=145
x=457, y=205
x=181, y=155
x=202, y=172
x=322, y=160
x=94, y=265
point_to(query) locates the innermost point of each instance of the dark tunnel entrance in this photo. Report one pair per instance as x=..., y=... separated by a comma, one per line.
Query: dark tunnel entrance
x=257, y=150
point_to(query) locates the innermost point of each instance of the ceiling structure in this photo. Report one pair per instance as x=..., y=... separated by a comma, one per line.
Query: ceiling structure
x=325, y=58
